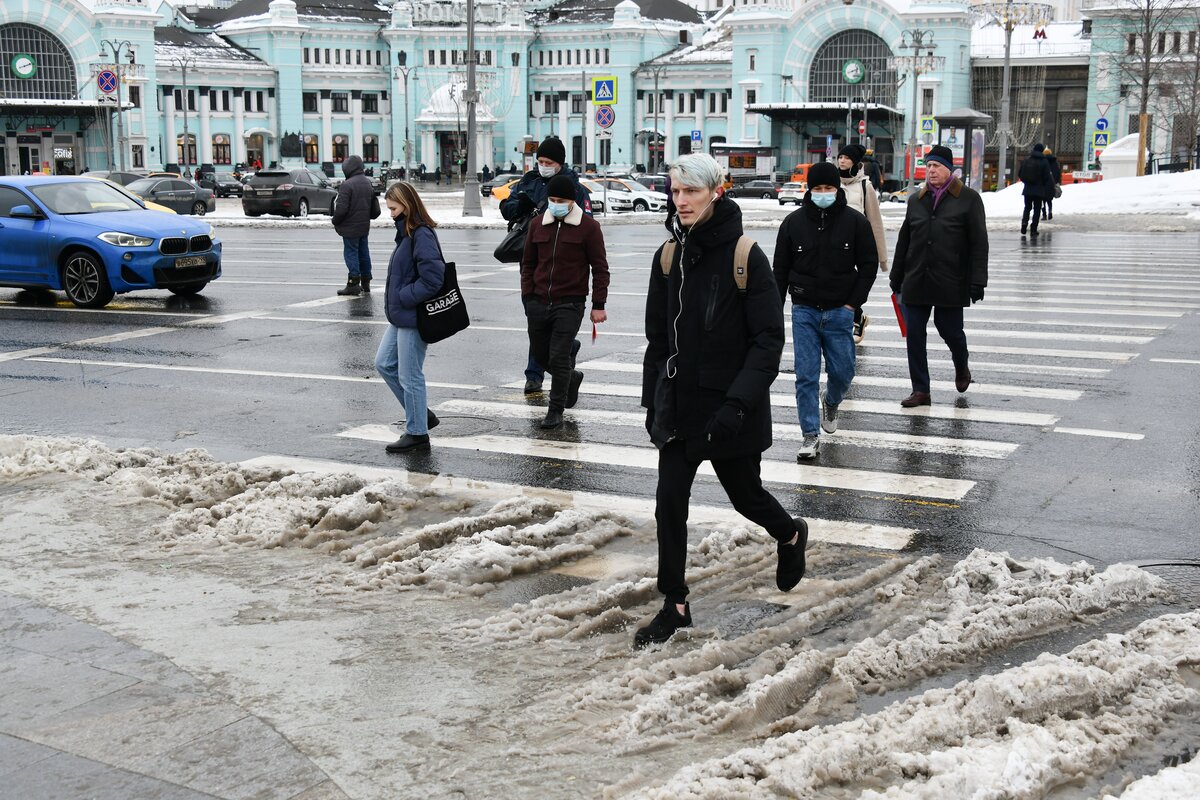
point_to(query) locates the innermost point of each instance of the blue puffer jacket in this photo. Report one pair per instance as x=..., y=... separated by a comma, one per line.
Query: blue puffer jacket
x=415, y=274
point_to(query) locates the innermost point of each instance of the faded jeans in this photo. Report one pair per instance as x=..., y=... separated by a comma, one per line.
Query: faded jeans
x=358, y=256
x=816, y=332
x=401, y=363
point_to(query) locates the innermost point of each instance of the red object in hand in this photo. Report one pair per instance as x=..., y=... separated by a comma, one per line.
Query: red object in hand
x=593, y=331
x=899, y=315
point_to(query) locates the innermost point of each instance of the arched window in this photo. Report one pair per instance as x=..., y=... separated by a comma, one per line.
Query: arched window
x=370, y=149
x=36, y=64
x=188, y=157
x=850, y=65
x=220, y=149
x=312, y=151
x=341, y=148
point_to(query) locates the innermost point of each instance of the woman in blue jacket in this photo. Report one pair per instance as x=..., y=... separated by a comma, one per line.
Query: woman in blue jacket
x=415, y=274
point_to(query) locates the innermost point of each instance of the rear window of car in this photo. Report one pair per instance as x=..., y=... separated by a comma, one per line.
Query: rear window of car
x=270, y=178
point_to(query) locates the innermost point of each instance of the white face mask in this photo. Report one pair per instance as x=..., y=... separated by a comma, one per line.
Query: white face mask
x=548, y=172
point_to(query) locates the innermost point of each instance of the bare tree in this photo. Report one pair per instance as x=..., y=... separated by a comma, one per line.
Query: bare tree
x=1179, y=88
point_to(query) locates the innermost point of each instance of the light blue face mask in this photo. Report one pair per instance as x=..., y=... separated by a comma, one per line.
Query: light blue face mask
x=559, y=210
x=823, y=199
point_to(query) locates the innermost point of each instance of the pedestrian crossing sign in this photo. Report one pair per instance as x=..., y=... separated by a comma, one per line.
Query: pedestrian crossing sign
x=928, y=125
x=1099, y=139
x=604, y=91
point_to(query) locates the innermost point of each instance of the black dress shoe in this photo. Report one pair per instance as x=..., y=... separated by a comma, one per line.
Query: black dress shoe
x=408, y=443
x=962, y=380
x=553, y=419
x=532, y=386
x=431, y=419
x=663, y=626
x=917, y=399
x=573, y=388
x=790, y=568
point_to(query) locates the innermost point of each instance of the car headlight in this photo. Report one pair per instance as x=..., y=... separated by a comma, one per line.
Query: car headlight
x=125, y=239
x=212, y=233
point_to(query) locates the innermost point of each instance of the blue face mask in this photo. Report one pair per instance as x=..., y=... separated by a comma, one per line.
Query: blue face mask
x=559, y=210
x=823, y=199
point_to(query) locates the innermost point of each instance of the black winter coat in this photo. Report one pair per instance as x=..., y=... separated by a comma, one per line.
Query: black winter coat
x=1038, y=179
x=533, y=186
x=728, y=343
x=941, y=254
x=356, y=204
x=826, y=256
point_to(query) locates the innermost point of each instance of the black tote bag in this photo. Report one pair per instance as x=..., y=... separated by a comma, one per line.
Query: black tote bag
x=512, y=246
x=444, y=314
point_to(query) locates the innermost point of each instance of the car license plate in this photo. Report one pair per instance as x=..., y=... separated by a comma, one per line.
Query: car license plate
x=266, y=192
x=189, y=261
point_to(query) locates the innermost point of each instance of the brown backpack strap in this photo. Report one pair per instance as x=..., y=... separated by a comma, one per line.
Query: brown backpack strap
x=741, y=260
x=666, y=257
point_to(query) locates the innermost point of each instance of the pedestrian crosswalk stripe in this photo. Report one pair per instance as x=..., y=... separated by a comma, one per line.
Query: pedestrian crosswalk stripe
x=924, y=486
x=989, y=307
x=980, y=448
x=640, y=510
x=1100, y=433
x=1097, y=355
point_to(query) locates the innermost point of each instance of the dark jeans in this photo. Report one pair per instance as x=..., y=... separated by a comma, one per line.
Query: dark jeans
x=534, y=371
x=1031, y=204
x=551, y=331
x=949, y=323
x=740, y=479
x=358, y=256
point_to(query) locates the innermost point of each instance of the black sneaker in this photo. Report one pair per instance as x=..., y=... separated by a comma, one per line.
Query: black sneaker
x=790, y=568
x=532, y=386
x=408, y=443
x=573, y=388
x=663, y=626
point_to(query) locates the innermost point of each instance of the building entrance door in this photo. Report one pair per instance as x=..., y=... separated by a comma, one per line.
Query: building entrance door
x=29, y=158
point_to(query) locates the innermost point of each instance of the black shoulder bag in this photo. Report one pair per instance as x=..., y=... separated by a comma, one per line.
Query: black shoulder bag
x=444, y=314
x=512, y=246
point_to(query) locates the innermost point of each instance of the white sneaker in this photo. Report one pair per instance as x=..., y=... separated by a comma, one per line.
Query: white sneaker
x=809, y=448
x=829, y=415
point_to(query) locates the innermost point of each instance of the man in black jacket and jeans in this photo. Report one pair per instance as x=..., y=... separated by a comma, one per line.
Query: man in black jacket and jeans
x=1038, y=187
x=353, y=209
x=713, y=351
x=825, y=257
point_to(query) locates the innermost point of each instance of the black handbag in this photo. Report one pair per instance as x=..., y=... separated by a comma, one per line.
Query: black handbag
x=444, y=314
x=512, y=246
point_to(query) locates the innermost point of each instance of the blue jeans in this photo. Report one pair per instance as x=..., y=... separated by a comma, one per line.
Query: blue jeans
x=401, y=363
x=814, y=333
x=358, y=256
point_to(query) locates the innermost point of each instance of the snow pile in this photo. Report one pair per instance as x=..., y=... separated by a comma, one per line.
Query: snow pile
x=1173, y=783
x=1020, y=733
x=1165, y=194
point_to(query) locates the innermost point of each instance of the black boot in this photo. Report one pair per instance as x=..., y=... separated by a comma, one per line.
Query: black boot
x=352, y=288
x=366, y=285
x=664, y=625
x=790, y=568
x=408, y=443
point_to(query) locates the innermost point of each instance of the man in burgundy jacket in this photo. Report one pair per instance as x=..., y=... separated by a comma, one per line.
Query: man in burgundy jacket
x=560, y=250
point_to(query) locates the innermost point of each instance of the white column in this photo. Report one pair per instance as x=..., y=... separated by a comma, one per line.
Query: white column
x=669, y=130
x=205, y=149
x=170, y=148
x=239, y=126
x=356, y=128
x=700, y=101
x=428, y=155
x=486, y=150
x=271, y=144
x=564, y=109
x=325, y=146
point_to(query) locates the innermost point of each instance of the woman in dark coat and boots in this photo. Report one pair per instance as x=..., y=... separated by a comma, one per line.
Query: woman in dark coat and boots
x=713, y=352
x=940, y=267
x=1039, y=187
x=1056, y=173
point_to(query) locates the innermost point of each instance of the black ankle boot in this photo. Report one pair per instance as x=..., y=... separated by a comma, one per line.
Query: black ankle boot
x=352, y=289
x=366, y=285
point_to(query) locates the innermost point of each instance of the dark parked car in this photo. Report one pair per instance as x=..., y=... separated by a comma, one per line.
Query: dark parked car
x=123, y=178
x=486, y=187
x=179, y=195
x=767, y=190
x=292, y=193
x=223, y=184
x=657, y=183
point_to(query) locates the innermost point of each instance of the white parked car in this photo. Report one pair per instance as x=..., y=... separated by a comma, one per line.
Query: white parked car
x=601, y=195
x=644, y=198
x=792, y=192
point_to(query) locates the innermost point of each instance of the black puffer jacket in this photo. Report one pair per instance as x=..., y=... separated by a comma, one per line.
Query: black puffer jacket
x=941, y=253
x=1036, y=175
x=356, y=204
x=723, y=345
x=826, y=256
x=529, y=194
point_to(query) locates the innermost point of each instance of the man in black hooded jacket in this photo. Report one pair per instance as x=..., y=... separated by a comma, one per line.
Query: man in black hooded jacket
x=1038, y=187
x=353, y=209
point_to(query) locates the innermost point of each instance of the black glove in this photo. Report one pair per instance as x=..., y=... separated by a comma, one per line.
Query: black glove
x=525, y=203
x=895, y=287
x=650, y=421
x=726, y=423
x=976, y=292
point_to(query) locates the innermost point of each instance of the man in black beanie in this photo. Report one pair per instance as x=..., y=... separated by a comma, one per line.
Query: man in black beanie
x=940, y=268
x=528, y=197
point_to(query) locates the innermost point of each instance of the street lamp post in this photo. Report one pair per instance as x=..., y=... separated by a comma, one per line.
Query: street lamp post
x=471, y=202
x=404, y=69
x=116, y=47
x=1008, y=15
x=183, y=62
x=916, y=40
x=656, y=70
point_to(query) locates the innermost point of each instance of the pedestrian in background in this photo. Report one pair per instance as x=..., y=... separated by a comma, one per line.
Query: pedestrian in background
x=865, y=200
x=826, y=259
x=872, y=169
x=353, y=209
x=415, y=274
x=562, y=249
x=713, y=351
x=940, y=267
x=1038, y=187
x=1056, y=173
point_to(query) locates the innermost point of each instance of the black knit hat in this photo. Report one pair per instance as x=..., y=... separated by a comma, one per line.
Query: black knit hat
x=824, y=173
x=942, y=155
x=553, y=149
x=854, y=152
x=561, y=186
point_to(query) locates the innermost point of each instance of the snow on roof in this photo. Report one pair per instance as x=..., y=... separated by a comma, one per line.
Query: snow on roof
x=583, y=12
x=711, y=50
x=373, y=11
x=1063, y=40
x=208, y=49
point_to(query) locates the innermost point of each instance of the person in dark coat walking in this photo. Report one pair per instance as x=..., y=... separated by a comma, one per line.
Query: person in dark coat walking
x=1038, y=187
x=353, y=209
x=940, y=267
x=713, y=352
x=415, y=274
x=826, y=259
x=1056, y=172
x=528, y=197
x=872, y=169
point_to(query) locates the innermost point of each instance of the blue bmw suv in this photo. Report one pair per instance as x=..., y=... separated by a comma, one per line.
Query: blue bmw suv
x=92, y=240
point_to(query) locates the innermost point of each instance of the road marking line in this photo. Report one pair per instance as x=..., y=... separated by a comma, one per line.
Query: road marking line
x=109, y=310
x=1175, y=361
x=988, y=306
x=982, y=448
x=647, y=458
x=1100, y=433
x=249, y=372
x=329, y=321
x=17, y=355
x=323, y=301
x=1097, y=355
x=994, y=366
x=502, y=328
x=884, y=537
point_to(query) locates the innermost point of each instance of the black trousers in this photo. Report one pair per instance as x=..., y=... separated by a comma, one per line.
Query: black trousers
x=949, y=323
x=552, y=331
x=741, y=481
x=1033, y=204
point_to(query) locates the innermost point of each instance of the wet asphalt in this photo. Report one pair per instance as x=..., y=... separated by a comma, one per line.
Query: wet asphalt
x=269, y=362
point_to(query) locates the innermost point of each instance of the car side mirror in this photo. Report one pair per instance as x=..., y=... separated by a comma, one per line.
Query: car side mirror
x=25, y=211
